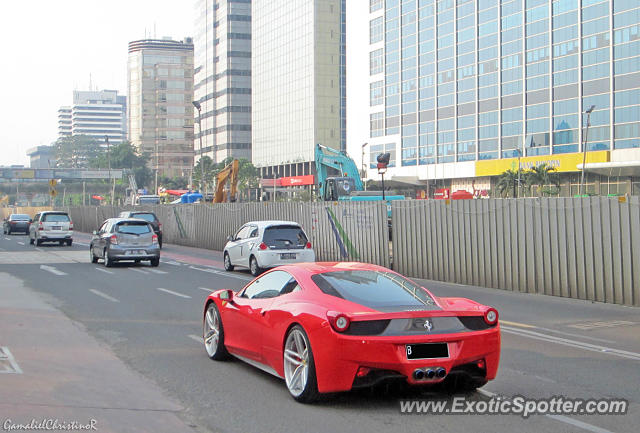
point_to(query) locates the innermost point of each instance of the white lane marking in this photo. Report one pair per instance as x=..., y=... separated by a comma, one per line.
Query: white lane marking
x=139, y=270
x=206, y=289
x=52, y=270
x=195, y=337
x=560, y=418
x=157, y=271
x=20, y=243
x=572, y=343
x=6, y=355
x=171, y=292
x=103, y=295
x=220, y=272
x=171, y=263
x=571, y=335
x=103, y=270
x=81, y=243
x=7, y=239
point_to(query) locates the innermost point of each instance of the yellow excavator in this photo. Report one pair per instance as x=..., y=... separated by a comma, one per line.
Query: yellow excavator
x=229, y=173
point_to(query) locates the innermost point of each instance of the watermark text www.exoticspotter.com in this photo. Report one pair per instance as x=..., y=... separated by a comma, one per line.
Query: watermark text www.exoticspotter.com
x=49, y=424
x=518, y=405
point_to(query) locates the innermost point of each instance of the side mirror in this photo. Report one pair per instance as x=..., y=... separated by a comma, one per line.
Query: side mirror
x=226, y=295
x=95, y=233
x=230, y=238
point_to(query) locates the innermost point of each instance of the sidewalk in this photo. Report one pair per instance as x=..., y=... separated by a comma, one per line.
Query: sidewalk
x=61, y=373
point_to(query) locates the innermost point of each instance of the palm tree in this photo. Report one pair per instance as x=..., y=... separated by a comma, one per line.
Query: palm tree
x=508, y=181
x=541, y=175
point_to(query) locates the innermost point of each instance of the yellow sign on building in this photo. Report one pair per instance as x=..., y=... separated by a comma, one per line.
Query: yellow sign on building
x=562, y=162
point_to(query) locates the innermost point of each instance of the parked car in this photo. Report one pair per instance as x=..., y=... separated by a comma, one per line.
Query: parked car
x=17, y=222
x=150, y=217
x=259, y=245
x=124, y=239
x=332, y=327
x=51, y=226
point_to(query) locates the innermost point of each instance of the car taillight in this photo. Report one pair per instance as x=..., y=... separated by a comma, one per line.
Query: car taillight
x=113, y=239
x=71, y=225
x=154, y=239
x=159, y=226
x=339, y=322
x=491, y=316
x=262, y=246
x=40, y=227
x=308, y=245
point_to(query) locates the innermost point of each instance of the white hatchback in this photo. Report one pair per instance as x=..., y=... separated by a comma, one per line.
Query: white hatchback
x=259, y=245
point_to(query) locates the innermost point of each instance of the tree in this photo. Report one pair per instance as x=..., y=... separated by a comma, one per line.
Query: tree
x=508, y=181
x=541, y=175
x=248, y=174
x=206, y=164
x=76, y=151
x=125, y=156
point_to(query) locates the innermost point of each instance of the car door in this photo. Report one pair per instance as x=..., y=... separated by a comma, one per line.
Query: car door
x=99, y=240
x=234, y=247
x=244, y=318
x=248, y=244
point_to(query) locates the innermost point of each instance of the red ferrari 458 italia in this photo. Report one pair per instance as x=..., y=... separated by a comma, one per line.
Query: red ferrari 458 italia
x=327, y=327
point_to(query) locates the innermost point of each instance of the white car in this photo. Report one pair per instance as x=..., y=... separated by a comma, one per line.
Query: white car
x=51, y=226
x=259, y=245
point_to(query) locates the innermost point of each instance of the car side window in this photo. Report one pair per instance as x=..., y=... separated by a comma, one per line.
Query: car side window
x=36, y=218
x=269, y=285
x=242, y=233
x=254, y=232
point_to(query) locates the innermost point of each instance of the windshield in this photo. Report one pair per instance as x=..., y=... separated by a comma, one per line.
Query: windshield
x=382, y=291
x=133, y=228
x=145, y=216
x=55, y=217
x=19, y=217
x=151, y=200
x=284, y=237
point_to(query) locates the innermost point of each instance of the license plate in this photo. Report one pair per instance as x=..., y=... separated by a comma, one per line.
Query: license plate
x=135, y=252
x=427, y=350
x=56, y=228
x=285, y=256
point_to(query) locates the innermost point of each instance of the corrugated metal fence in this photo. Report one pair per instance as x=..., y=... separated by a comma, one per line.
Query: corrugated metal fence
x=583, y=248
x=338, y=231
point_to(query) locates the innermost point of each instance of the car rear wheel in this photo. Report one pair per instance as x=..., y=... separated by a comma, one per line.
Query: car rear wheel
x=8, y=231
x=38, y=242
x=108, y=261
x=253, y=267
x=299, y=366
x=227, y=263
x=213, y=334
x=93, y=257
x=61, y=243
x=70, y=242
x=155, y=262
x=30, y=240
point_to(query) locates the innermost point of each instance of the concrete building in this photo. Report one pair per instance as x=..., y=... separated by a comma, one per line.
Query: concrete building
x=223, y=78
x=461, y=91
x=95, y=113
x=41, y=157
x=160, y=89
x=298, y=86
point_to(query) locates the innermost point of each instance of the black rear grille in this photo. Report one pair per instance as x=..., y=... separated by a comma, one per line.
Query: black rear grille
x=367, y=327
x=474, y=323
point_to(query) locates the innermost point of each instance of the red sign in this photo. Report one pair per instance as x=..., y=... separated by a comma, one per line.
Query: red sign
x=269, y=182
x=297, y=180
x=441, y=194
x=97, y=197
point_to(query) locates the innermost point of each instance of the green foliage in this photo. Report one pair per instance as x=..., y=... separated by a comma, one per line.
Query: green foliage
x=173, y=182
x=125, y=156
x=508, y=182
x=205, y=164
x=77, y=151
x=542, y=175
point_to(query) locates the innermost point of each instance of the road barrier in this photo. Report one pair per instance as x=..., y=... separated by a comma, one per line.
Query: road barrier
x=337, y=231
x=583, y=248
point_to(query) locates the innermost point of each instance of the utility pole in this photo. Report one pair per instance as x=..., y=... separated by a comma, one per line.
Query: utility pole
x=364, y=166
x=113, y=187
x=584, y=149
x=199, y=108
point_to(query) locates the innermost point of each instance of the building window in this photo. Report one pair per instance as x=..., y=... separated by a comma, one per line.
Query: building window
x=376, y=124
x=375, y=30
x=375, y=62
x=375, y=5
x=376, y=93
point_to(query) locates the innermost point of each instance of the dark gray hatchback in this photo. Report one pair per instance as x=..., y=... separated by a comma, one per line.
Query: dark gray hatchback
x=120, y=239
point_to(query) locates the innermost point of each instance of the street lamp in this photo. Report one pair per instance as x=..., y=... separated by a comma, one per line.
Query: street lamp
x=113, y=188
x=383, y=160
x=584, y=148
x=364, y=165
x=199, y=108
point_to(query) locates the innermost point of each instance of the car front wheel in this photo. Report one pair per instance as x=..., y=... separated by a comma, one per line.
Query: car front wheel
x=299, y=366
x=213, y=334
x=93, y=257
x=227, y=262
x=155, y=262
x=254, y=267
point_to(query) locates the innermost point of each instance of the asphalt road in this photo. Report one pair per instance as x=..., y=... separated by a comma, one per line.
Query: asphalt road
x=151, y=318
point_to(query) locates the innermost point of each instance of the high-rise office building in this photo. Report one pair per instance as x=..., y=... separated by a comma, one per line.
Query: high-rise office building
x=298, y=83
x=223, y=78
x=98, y=114
x=460, y=91
x=160, y=79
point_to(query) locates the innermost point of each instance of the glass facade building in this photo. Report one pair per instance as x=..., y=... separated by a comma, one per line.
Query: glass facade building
x=160, y=80
x=223, y=78
x=298, y=83
x=454, y=81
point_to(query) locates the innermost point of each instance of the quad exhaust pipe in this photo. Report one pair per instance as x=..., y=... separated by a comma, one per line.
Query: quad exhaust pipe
x=429, y=373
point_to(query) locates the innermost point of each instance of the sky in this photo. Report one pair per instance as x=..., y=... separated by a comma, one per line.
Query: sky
x=52, y=47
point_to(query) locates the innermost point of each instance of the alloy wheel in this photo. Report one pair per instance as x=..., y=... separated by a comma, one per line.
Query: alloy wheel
x=296, y=362
x=211, y=330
